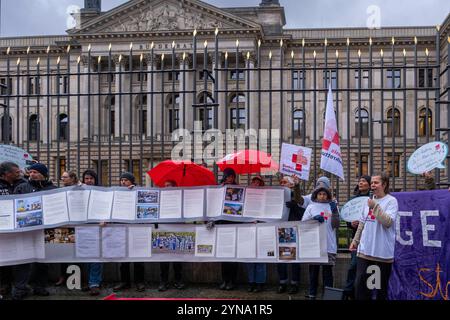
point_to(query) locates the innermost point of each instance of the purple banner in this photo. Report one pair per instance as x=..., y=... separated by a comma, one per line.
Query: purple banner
x=421, y=269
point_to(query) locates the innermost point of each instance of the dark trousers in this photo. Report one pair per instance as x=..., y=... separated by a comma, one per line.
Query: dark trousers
x=362, y=292
x=351, y=275
x=165, y=268
x=35, y=273
x=229, y=272
x=283, y=273
x=139, y=271
x=327, y=274
x=5, y=276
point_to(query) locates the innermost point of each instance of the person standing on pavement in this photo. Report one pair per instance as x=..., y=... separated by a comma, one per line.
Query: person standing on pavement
x=128, y=180
x=36, y=272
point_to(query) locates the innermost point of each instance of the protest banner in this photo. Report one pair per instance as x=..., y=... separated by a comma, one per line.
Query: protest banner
x=421, y=269
x=353, y=209
x=16, y=155
x=428, y=157
x=295, y=160
x=290, y=242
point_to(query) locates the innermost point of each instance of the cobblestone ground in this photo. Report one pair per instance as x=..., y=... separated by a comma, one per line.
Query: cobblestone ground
x=191, y=292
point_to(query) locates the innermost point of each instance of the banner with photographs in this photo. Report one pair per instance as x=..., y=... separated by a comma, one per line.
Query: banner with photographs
x=86, y=204
x=290, y=242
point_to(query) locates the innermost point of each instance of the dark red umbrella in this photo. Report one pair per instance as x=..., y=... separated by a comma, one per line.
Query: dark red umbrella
x=184, y=173
x=248, y=161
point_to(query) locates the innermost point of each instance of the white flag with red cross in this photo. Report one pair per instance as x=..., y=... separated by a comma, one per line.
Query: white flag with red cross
x=331, y=159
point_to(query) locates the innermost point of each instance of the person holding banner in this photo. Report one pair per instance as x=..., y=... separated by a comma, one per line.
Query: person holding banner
x=10, y=178
x=128, y=180
x=164, y=267
x=37, y=272
x=295, y=214
x=375, y=238
x=361, y=190
x=324, y=210
x=95, y=270
x=256, y=272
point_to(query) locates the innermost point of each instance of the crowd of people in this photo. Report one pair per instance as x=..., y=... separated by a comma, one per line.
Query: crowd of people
x=373, y=238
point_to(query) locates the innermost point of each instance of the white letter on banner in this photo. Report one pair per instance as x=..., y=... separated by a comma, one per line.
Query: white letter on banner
x=74, y=280
x=374, y=281
x=429, y=227
x=403, y=242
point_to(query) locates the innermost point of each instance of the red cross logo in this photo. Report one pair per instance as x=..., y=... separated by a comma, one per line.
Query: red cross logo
x=371, y=216
x=327, y=143
x=326, y=216
x=300, y=160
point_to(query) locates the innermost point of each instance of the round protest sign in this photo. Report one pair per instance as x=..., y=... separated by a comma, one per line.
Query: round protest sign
x=13, y=154
x=353, y=209
x=428, y=157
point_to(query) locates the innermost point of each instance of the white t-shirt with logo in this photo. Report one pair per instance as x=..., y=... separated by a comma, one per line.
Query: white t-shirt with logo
x=324, y=210
x=376, y=240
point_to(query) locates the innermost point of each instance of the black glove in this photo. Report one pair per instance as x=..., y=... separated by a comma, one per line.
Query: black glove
x=291, y=204
x=319, y=218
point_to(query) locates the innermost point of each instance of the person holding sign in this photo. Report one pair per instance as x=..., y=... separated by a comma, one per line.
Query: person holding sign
x=128, y=180
x=375, y=238
x=295, y=214
x=324, y=210
x=10, y=178
x=38, y=272
x=361, y=190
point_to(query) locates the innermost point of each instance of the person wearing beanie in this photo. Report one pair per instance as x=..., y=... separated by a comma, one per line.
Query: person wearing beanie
x=323, y=210
x=128, y=180
x=36, y=273
x=362, y=189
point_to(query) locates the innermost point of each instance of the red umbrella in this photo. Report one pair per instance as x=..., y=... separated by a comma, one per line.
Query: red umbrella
x=248, y=161
x=184, y=173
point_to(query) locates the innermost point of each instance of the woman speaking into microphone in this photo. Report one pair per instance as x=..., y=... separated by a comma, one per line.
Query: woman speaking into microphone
x=375, y=239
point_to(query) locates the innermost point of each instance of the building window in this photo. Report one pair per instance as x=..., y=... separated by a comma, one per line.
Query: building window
x=6, y=86
x=394, y=78
x=238, y=114
x=363, y=160
x=34, y=86
x=177, y=76
x=328, y=76
x=298, y=78
x=425, y=78
x=393, y=119
x=364, y=79
x=63, y=127
x=142, y=111
x=362, y=123
x=63, y=83
x=62, y=166
x=33, y=128
x=134, y=169
x=237, y=75
x=201, y=111
x=174, y=113
x=103, y=172
x=299, y=122
x=4, y=126
x=423, y=125
x=393, y=160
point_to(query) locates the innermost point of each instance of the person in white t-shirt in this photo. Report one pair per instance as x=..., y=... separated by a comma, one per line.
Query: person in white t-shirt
x=324, y=210
x=375, y=238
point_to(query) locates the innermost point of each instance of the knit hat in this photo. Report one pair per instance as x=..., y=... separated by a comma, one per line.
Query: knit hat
x=227, y=173
x=129, y=176
x=324, y=181
x=39, y=167
x=367, y=178
x=321, y=189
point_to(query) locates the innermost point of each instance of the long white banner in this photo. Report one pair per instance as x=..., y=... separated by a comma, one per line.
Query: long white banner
x=287, y=242
x=85, y=204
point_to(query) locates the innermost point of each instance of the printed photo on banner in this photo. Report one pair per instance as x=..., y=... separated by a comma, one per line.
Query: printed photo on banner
x=234, y=201
x=144, y=212
x=148, y=197
x=205, y=249
x=60, y=235
x=295, y=160
x=173, y=242
x=287, y=243
x=29, y=212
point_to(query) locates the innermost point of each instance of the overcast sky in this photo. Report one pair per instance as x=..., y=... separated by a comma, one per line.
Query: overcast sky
x=49, y=17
